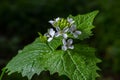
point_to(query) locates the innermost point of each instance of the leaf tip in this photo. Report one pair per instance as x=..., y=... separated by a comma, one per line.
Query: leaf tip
x=96, y=12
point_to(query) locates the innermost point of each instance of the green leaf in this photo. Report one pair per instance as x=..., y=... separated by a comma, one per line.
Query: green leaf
x=84, y=23
x=55, y=43
x=29, y=60
x=77, y=64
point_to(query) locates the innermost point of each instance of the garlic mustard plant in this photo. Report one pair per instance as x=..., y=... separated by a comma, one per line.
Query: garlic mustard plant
x=59, y=50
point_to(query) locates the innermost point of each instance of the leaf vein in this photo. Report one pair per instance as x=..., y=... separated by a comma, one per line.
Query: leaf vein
x=76, y=65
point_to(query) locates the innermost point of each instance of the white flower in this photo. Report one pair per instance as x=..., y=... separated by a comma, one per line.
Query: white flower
x=50, y=34
x=74, y=31
x=61, y=32
x=53, y=21
x=70, y=20
x=67, y=44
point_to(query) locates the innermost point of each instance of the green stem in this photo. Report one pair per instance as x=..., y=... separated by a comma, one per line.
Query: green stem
x=3, y=71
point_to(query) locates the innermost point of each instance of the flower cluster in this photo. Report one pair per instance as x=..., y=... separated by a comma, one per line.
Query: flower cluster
x=63, y=27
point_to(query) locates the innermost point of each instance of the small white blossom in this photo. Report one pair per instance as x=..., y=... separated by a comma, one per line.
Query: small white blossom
x=70, y=20
x=61, y=32
x=57, y=19
x=67, y=44
x=53, y=21
x=74, y=31
x=50, y=34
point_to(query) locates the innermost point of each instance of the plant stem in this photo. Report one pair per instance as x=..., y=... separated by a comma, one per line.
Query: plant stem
x=3, y=71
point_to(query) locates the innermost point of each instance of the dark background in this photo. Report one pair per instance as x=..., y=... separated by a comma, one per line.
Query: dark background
x=20, y=20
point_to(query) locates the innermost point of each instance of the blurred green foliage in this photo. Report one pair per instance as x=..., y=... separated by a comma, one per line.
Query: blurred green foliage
x=20, y=20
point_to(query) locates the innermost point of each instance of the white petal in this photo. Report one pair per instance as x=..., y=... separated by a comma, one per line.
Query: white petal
x=51, y=22
x=69, y=41
x=64, y=42
x=65, y=36
x=57, y=19
x=78, y=32
x=51, y=32
x=64, y=48
x=72, y=28
x=71, y=47
x=49, y=39
x=75, y=35
x=70, y=20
